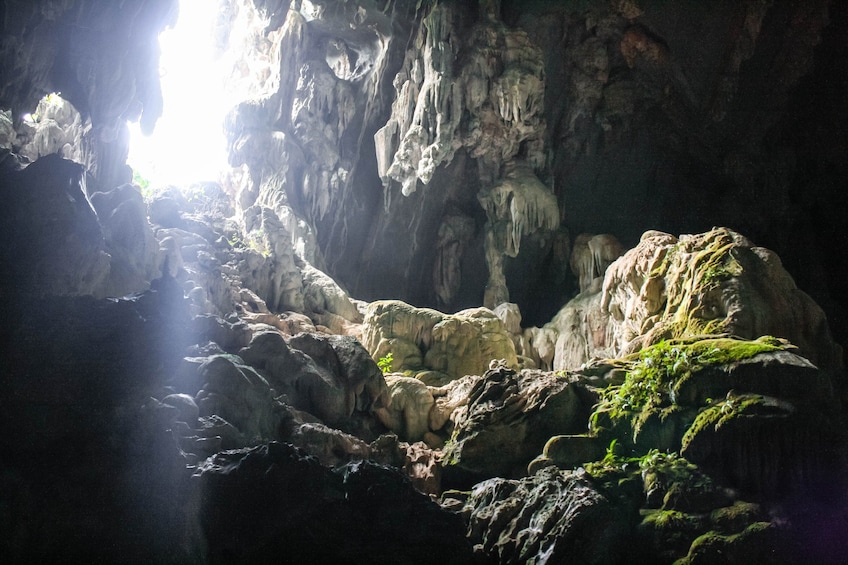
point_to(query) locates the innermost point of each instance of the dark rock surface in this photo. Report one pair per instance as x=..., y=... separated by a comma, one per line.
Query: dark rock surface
x=92, y=472
x=332, y=377
x=509, y=417
x=52, y=241
x=552, y=517
x=259, y=504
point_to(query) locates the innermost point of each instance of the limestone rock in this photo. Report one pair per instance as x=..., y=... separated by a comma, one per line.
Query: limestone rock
x=517, y=207
x=333, y=448
x=54, y=127
x=766, y=445
x=492, y=103
x=408, y=411
x=507, y=419
x=53, y=243
x=711, y=283
x=260, y=503
x=229, y=335
x=539, y=344
x=591, y=255
x=321, y=294
x=331, y=377
x=268, y=266
x=552, y=517
x=459, y=344
x=130, y=242
x=569, y=452
x=242, y=397
x=188, y=411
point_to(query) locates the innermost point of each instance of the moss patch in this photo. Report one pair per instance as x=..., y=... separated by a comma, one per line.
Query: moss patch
x=694, y=270
x=733, y=406
x=655, y=373
x=749, y=545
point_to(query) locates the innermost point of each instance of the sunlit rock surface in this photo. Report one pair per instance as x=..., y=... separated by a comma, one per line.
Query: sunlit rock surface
x=717, y=282
x=102, y=58
x=449, y=345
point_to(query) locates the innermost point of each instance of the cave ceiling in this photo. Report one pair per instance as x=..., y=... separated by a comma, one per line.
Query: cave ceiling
x=449, y=153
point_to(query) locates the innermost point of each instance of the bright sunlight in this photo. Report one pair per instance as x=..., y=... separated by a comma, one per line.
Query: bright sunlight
x=188, y=144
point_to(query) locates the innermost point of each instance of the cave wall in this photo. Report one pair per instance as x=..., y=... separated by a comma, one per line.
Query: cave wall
x=644, y=115
x=101, y=56
x=386, y=134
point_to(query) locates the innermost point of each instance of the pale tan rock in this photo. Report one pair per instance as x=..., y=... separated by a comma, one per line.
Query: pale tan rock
x=408, y=411
x=710, y=283
x=456, y=344
x=591, y=255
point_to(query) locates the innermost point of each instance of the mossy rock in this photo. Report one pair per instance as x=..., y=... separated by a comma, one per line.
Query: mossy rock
x=776, y=373
x=571, y=451
x=670, y=533
x=652, y=392
x=738, y=516
x=758, y=543
x=765, y=445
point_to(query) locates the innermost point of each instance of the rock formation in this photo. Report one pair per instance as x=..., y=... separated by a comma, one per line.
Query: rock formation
x=388, y=334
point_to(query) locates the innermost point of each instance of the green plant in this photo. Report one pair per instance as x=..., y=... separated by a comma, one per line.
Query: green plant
x=385, y=363
x=143, y=184
x=657, y=372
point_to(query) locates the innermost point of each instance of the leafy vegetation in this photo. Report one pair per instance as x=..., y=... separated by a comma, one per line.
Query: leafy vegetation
x=385, y=363
x=655, y=374
x=253, y=241
x=143, y=184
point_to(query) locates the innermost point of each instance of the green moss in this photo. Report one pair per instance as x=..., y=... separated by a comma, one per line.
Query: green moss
x=751, y=544
x=694, y=271
x=721, y=412
x=661, y=269
x=736, y=517
x=655, y=373
x=673, y=520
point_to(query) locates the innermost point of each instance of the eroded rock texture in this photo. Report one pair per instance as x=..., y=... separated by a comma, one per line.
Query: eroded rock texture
x=457, y=155
x=263, y=503
x=102, y=57
x=552, y=517
x=424, y=143
x=711, y=283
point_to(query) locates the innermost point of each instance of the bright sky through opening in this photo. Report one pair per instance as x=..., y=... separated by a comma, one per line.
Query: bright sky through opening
x=188, y=144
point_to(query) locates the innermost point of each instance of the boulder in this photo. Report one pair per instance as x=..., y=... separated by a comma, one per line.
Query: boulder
x=242, y=397
x=552, y=517
x=408, y=411
x=713, y=283
x=332, y=377
x=52, y=240
x=455, y=344
x=507, y=419
x=129, y=239
x=260, y=503
x=768, y=446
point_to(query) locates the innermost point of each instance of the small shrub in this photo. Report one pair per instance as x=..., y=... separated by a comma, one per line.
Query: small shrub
x=385, y=363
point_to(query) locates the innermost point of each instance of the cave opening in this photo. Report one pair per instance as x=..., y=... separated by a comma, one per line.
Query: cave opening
x=188, y=143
